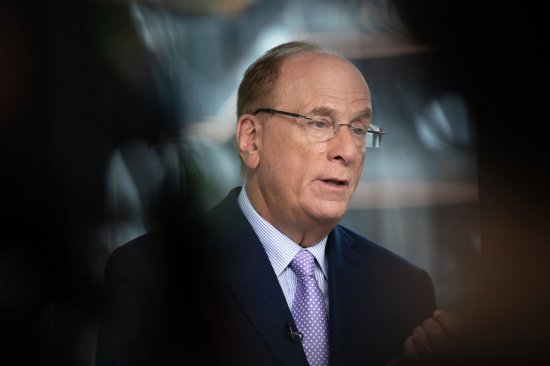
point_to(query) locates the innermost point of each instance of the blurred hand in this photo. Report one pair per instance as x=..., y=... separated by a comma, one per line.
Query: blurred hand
x=434, y=340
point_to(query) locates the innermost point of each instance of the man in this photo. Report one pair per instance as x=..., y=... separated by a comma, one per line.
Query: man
x=304, y=123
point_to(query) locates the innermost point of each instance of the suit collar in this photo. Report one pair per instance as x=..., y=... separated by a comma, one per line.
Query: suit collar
x=248, y=274
x=348, y=310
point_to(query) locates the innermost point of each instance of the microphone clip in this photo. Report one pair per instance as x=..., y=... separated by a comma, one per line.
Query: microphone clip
x=293, y=333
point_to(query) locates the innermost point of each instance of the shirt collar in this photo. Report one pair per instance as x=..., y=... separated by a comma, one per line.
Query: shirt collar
x=279, y=248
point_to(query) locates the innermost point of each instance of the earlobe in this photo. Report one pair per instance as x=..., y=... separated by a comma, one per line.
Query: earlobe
x=248, y=140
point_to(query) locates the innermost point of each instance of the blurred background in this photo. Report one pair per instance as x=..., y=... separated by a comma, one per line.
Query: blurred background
x=114, y=113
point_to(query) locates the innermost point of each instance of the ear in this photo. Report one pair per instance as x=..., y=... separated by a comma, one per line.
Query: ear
x=248, y=136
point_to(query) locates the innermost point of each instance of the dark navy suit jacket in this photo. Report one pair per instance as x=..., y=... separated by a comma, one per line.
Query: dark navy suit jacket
x=209, y=292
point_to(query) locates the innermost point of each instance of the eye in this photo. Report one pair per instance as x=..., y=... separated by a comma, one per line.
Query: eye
x=358, y=128
x=358, y=131
x=321, y=124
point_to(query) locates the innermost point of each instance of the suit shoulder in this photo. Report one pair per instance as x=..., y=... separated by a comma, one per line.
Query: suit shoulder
x=143, y=243
x=145, y=251
x=374, y=250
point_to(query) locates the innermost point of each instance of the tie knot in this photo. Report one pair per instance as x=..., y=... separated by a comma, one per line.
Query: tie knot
x=303, y=263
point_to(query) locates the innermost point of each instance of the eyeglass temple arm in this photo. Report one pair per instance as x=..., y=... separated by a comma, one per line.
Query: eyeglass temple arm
x=378, y=132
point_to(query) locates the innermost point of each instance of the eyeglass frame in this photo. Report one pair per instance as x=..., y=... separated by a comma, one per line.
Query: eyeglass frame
x=337, y=125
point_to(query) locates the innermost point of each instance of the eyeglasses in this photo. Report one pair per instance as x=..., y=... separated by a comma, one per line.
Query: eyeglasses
x=320, y=128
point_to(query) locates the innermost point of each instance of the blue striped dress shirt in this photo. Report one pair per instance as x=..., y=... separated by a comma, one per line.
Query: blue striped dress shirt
x=281, y=250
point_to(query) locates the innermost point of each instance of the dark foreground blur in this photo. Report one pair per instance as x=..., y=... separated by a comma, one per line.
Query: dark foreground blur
x=85, y=109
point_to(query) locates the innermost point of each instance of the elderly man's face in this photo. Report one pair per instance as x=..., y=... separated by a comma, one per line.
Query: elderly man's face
x=306, y=182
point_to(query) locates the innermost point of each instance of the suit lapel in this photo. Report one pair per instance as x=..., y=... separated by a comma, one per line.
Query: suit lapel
x=247, y=272
x=349, y=313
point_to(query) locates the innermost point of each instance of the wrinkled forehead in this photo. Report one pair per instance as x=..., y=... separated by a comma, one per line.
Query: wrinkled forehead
x=308, y=76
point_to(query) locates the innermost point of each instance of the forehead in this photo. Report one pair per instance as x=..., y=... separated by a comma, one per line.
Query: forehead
x=313, y=80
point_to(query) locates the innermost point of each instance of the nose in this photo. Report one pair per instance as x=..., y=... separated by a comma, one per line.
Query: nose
x=342, y=146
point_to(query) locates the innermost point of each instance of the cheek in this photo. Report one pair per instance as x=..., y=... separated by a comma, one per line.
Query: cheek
x=360, y=164
x=288, y=161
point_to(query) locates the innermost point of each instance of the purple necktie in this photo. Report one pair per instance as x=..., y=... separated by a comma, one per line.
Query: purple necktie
x=309, y=311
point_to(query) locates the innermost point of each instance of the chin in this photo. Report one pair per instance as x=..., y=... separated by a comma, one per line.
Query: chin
x=331, y=214
x=323, y=210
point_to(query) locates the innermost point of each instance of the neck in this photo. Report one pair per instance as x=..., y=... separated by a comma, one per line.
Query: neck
x=308, y=240
x=305, y=232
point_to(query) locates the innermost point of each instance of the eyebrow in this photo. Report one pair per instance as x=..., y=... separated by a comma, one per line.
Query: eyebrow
x=322, y=111
x=327, y=111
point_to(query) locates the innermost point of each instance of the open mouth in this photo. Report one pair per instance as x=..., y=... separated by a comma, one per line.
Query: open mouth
x=335, y=182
